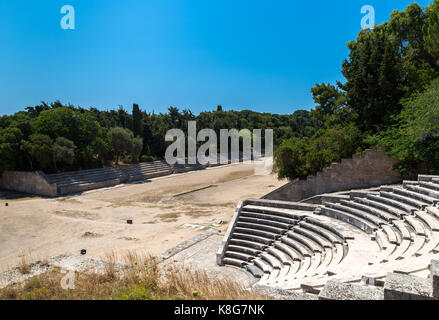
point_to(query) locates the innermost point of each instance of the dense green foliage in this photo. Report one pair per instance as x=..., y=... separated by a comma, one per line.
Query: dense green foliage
x=414, y=139
x=382, y=101
x=57, y=138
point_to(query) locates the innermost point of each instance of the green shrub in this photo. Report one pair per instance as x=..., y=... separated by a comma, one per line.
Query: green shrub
x=137, y=292
x=34, y=283
x=36, y=294
x=147, y=158
x=414, y=139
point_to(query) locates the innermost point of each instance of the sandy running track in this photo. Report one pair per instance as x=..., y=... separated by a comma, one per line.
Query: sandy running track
x=38, y=228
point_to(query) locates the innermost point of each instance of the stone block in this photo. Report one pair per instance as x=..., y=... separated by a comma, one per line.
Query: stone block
x=407, y=287
x=336, y=290
x=434, y=273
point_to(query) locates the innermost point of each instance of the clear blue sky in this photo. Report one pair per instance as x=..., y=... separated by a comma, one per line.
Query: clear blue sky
x=252, y=54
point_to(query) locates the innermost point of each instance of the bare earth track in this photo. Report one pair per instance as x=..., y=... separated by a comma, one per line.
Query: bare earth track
x=38, y=228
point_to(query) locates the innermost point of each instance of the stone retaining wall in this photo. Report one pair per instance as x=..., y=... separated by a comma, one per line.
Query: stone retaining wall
x=374, y=169
x=28, y=182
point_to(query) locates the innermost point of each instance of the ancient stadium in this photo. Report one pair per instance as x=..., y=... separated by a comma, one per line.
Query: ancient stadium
x=353, y=231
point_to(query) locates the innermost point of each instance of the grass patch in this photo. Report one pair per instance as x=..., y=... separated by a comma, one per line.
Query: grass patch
x=76, y=214
x=118, y=204
x=168, y=217
x=150, y=222
x=236, y=175
x=90, y=235
x=23, y=266
x=143, y=279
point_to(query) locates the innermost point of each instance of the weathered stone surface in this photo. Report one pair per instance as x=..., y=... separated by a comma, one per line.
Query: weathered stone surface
x=405, y=287
x=374, y=169
x=336, y=290
x=28, y=182
x=434, y=271
x=281, y=294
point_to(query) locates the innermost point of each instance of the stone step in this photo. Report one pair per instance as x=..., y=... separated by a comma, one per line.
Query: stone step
x=150, y=175
x=83, y=173
x=404, y=199
x=271, y=260
x=291, y=252
x=339, y=254
x=256, y=232
x=426, y=177
x=299, y=247
x=429, y=185
x=304, y=266
x=403, y=228
x=382, y=240
x=102, y=176
x=426, y=191
x=267, y=217
x=270, y=223
x=251, y=237
x=316, y=261
x=417, y=244
x=271, y=211
x=285, y=273
x=67, y=183
x=325, y=233
x=327, y=258
x=317, y=238
x=431, y=245
x=413, y=195
x=416, y=225
x=383, y=256
x=360, y=223
x=397, y=213
x=280, y=255
x=262, y=265
x=254, y=271
x=431, y=222
x=234, y=262
x=305, y=241
x=260, y=227
x=358, y=213
x=248, y=244
x=246, y=250
x=273, y=277
x=239, y=255
x=72, y=189
x=391, y=202
x=402, y=248
x=392, y=237
x=370, y=210
x=433, y=211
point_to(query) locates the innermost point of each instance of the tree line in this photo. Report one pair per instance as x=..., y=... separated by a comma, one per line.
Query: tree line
x=55, y=137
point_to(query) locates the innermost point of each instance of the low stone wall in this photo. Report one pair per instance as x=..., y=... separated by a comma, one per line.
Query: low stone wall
x=28, y=182
x=374, y=169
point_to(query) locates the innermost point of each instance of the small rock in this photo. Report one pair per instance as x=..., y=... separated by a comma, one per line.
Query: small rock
x=83, y=251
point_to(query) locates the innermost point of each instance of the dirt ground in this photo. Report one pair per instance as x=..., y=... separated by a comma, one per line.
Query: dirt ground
x=36, y=228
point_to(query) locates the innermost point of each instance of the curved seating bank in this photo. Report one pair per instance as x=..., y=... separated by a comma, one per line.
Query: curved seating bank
x=379, y=236
x=53, y=185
